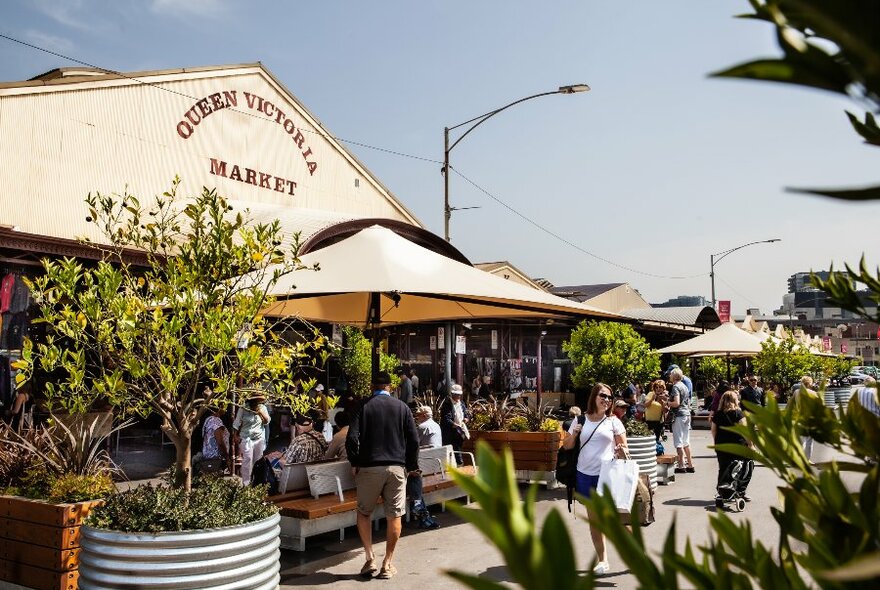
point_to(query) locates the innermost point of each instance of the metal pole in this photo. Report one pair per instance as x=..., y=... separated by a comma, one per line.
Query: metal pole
x=538, y=383
x=712, y=276
x=450, y=348
x=447, y=212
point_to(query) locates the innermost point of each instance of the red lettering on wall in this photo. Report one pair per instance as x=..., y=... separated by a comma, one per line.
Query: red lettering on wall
x=231, y=97
x=184, y=129
x=218, y=167
x=218, y=101
x=266, y=180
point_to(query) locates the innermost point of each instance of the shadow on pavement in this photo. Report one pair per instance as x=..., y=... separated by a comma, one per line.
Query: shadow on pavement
x=688, y=502
x=320, y=578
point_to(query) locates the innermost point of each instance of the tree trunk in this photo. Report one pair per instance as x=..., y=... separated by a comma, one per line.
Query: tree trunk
x=182, y=462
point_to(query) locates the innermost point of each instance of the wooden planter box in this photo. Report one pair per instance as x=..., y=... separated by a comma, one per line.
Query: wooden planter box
x=532, y=451
x=39, y=542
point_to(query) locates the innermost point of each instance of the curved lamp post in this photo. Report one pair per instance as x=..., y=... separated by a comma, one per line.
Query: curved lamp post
x=714, y=258
x=477, y=121
x=447, y=209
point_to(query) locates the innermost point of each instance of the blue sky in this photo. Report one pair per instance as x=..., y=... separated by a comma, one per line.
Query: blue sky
x=655, y=169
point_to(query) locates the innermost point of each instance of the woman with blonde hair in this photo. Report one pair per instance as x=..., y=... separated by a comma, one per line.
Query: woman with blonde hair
x=655, y=404
x=599, y=438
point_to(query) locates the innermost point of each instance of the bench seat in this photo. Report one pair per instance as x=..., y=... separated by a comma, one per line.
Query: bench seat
x=304, y=516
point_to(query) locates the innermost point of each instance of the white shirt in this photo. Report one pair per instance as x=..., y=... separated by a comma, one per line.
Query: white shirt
x=601, y=446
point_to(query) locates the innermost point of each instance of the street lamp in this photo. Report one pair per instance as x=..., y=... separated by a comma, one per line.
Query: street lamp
x=477, y=121
x=713, y=258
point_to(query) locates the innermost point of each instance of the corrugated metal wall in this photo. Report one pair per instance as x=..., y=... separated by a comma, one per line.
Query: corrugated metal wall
x=59, y=142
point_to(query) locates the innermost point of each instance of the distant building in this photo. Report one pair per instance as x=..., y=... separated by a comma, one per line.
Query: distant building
x=800, y=281
x=684, y=301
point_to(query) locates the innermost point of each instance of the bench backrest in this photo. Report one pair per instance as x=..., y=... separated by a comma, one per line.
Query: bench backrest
x=293, y=478
x=329, y=478
x=435, y=460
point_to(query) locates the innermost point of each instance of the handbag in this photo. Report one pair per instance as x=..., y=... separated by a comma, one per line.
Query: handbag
x=621, y=477
x=643, y=505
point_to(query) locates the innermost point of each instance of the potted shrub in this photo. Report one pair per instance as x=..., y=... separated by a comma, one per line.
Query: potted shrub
x=169, y=322
x=50, y=479
x=532, y=436
x=642, y=446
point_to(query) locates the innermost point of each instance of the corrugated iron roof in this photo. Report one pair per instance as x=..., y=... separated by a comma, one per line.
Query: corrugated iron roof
x=684, y=316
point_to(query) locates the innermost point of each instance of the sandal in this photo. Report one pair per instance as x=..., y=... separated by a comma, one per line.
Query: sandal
x=387, y=572
x=369, y=569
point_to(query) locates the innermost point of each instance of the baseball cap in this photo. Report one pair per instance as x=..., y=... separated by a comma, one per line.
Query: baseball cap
x=455, y=389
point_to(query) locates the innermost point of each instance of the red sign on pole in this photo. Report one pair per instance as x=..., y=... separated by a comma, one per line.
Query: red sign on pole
x=724, y=311
x=826, y=343
x=843, y=348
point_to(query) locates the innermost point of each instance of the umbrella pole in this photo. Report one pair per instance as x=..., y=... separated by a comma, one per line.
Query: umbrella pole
x=728, y=367
x=373, y=322
x=447, y=367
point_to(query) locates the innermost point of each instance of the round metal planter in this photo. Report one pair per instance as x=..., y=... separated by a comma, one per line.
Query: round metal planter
x=643, y=450
x=231, y=558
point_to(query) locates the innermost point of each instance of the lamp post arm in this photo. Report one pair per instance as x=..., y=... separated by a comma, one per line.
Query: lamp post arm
x=484, y=117
x=721, y=255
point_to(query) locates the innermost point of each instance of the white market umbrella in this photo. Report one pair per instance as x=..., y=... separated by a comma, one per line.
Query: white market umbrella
x=726, y=340
x=408, y=284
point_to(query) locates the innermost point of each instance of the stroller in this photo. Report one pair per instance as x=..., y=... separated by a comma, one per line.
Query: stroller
x=733, y=482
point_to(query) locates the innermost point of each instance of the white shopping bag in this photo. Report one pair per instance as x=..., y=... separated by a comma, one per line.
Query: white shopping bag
x=622, y=478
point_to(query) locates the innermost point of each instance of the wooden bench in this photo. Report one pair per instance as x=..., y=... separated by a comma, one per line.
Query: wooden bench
x=665, y=471
x=320, y=497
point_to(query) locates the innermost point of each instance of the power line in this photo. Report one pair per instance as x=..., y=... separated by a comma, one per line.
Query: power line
x=189, y=97
x=550, y=232
x=366, y=146
x=729, y=286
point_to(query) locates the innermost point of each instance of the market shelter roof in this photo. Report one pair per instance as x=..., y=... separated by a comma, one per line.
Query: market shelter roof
x=412, y=284
x=726, y=339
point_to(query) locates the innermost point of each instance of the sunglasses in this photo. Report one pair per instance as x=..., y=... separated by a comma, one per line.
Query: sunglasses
x=605, y=397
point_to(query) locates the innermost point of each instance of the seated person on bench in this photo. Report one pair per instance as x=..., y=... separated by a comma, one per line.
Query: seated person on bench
x=429, y=436
x=308, y=445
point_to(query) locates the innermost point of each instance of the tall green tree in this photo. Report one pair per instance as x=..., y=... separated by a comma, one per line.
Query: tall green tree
x=177, y=332
x=610, y=352
x=357, y=363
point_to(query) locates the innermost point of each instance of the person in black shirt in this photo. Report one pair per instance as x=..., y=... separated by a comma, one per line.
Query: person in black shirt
x=729, y=414
x=383, y=448
x=752, y=393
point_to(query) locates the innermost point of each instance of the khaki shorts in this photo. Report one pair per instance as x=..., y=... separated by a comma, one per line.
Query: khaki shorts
x=388, y=481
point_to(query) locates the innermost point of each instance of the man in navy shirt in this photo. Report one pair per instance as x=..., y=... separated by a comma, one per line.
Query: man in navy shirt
x=383, y=448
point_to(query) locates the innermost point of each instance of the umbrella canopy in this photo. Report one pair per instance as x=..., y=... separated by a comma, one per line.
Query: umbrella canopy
x=409, y=284
x=726, y=339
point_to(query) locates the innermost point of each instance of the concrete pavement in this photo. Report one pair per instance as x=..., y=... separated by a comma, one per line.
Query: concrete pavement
x=422, y=556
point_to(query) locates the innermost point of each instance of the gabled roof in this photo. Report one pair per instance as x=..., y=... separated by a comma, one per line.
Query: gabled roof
x=703, y=317
x=104, y=131
x=506, y=270
x=584, y=292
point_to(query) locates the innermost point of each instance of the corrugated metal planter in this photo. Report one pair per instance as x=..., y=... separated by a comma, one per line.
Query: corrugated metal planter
x=643, y=450
x=231, y=558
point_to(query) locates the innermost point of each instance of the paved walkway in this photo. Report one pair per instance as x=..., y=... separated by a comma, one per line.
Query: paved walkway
x=422, y=556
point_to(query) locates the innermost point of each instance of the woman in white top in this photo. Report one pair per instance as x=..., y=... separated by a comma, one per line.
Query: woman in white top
x=600, y=437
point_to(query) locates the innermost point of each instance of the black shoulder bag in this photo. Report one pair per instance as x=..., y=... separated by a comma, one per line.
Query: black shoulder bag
x=566, y=462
